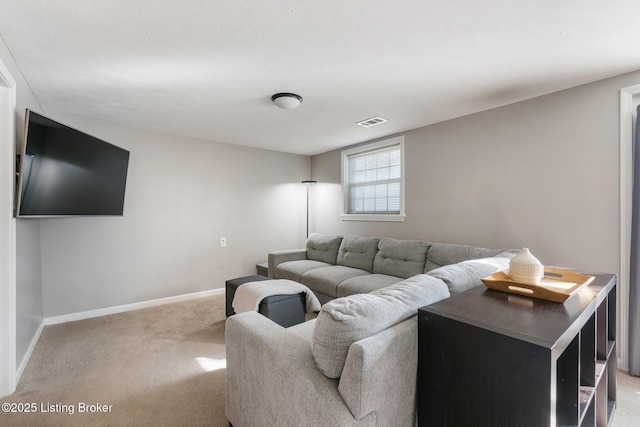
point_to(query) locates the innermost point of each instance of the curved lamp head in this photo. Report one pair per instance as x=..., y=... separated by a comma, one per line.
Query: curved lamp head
x=287, y=101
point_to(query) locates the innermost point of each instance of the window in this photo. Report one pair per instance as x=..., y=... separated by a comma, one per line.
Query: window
x=373, y=181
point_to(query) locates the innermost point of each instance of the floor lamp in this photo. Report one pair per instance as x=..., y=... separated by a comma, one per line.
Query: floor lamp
x=308, y=182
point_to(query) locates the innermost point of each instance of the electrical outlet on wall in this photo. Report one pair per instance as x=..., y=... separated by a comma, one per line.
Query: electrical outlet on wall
x=223, y=242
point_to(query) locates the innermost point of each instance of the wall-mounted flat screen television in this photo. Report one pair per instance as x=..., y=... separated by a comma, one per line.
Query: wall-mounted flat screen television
x=65, y=172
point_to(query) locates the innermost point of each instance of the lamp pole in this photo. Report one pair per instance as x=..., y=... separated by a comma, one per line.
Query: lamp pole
x=308, y=182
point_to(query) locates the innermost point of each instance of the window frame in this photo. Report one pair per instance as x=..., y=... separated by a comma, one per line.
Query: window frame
x=363, y=149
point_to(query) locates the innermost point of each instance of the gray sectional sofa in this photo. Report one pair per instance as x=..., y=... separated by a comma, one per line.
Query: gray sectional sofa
x=337, y=266
x=355, y=364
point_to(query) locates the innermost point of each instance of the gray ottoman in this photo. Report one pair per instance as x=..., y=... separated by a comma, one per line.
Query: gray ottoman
x=285, y=310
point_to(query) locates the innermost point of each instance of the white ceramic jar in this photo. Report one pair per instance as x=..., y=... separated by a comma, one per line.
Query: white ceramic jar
x=526, y=268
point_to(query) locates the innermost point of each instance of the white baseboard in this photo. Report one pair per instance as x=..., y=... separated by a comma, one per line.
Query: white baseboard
x=104, y=312
x=127, y=307
x=27, y=355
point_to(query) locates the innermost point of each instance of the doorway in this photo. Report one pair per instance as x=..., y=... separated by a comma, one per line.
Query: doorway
x=629, y=100
x=7, y=233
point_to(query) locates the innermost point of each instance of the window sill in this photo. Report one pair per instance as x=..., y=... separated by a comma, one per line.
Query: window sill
x=372, y=217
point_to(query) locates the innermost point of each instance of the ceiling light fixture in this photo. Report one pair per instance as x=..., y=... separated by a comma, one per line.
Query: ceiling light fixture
x=287, y=101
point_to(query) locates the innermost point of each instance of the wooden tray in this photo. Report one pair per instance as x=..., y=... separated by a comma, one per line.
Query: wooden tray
x=557, y=285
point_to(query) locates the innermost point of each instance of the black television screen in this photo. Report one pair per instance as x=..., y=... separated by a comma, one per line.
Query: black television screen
x=65, y=172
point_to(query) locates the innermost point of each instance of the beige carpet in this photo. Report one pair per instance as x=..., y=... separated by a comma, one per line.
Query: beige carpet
x=161, y=366
x=627, y=412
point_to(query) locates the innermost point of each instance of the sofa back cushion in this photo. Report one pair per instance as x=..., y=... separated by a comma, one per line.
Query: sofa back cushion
x=322, y=247
x=400, y=258
x=358, y=252
x=343, y=321
x=468, y=274
x=440, y=254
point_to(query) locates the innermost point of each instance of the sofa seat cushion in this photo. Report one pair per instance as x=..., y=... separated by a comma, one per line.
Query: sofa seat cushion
x=293, y=270
x=343, y=321
x=447, y=253
x=326, y=279
x=366, y=284
x=468, y=274
x=322, y=247
x=358, y=252
x=400, y=258
x=304, y=330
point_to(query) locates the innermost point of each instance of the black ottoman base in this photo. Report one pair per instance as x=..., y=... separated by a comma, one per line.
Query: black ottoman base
x=231, y=286
x=285, y=310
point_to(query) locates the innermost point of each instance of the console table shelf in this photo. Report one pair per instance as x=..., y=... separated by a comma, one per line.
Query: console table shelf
x=489, y=358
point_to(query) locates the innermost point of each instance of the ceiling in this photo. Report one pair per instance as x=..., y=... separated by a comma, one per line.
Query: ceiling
x=207, y=68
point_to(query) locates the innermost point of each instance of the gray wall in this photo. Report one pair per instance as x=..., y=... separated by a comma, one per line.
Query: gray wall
x=542, y=173
x=182, y=196
x=29, y=311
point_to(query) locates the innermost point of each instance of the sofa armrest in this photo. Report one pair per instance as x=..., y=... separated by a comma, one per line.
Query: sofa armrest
x=380, y=375
x=275, y=258
x=272, y=379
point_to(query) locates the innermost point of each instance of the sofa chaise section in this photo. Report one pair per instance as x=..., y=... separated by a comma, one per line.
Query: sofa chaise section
x=271, y=374
x=306, y=375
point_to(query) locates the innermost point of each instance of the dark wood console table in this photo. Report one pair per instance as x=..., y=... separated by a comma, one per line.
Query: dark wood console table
x=490, y=358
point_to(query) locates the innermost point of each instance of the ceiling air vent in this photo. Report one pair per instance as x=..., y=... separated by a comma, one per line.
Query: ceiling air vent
x=371, y=122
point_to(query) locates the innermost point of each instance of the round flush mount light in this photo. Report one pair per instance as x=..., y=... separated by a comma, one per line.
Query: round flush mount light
x=287, y=101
